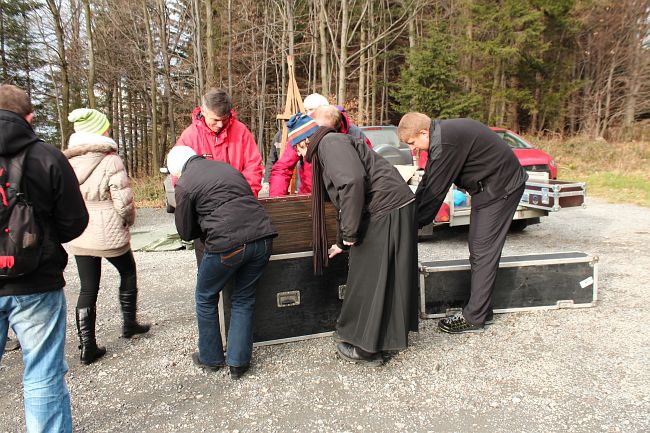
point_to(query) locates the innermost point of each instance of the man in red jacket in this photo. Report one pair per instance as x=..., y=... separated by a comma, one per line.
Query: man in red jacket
x=216, y=134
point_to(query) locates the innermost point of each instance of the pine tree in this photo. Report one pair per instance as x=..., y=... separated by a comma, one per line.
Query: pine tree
x=431, y=83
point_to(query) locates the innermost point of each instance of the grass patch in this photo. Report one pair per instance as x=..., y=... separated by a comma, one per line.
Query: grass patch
x=617, y=172
x=148, y=191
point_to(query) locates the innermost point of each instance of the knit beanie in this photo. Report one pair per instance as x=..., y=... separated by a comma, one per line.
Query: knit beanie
x=314, y=101
x=301, y=127
x=89, y=120
x=177, y=158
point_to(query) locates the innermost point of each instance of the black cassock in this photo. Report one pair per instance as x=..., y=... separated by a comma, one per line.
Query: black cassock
x=380, y=304
x=377, y=213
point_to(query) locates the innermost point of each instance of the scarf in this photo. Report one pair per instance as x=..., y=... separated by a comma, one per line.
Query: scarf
x=319, y=229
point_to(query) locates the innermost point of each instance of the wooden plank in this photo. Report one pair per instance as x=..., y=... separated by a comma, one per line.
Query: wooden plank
x=292, y=218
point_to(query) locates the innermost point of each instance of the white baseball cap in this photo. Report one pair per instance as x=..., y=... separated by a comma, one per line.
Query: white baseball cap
x=314, y=101
x=177, y=157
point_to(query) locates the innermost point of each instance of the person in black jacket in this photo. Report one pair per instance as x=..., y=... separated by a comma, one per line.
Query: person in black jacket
x=376, y=222
x=215, y=203
x=34, y=304
x=475, y=158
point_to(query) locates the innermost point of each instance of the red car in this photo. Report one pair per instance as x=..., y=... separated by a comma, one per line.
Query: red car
x=531, y=158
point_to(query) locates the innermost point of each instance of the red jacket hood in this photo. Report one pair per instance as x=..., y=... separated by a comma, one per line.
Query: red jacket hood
x=345, y=122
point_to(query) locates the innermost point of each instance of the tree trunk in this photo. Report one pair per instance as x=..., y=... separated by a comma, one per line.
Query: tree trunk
x=198, y=46
x=313, y=52
x=3, y=52
x=65, y=80
x=230, y=35
x=290, y=26
x=155, y=154
x=90, y=84
x=513, y=106
x=132, y=131
x=209, y=43
x=496, y=75
x=324, y=74
x=120, y=115
x=372, y=76
x=538, y=103
x=261, y=108
x=608, y=98
x=28, y=65
x=164, y=47
x=362, y=79
x=74, y=54
x=343, y=54
x=636, y=63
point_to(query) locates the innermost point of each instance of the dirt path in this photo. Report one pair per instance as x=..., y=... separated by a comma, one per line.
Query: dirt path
x=566, y=370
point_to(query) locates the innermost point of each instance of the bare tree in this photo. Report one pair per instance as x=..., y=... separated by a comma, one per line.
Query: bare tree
x=55, y=10
x=90, y=84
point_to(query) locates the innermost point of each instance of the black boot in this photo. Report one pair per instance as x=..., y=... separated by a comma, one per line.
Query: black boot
x=129, y=303
x=90, y=352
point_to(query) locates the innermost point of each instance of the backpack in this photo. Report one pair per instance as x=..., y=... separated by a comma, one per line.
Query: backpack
x=21, y=235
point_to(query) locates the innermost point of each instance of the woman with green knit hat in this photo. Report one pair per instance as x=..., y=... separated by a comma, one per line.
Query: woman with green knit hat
x=106, y=190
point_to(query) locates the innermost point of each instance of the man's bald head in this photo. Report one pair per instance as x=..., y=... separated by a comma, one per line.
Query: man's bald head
x=329, y=116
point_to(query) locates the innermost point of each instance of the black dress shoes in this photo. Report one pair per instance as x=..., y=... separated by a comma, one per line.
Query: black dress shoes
x=354, y=354
x=237, y=372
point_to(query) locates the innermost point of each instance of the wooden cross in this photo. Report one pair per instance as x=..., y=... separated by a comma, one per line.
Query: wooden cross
x=292, y=106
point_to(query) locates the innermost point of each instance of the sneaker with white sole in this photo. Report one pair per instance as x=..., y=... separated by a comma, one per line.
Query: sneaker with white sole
x=458, y=325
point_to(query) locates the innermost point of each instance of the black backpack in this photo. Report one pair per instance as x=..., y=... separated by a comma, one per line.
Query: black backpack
x=21, y=235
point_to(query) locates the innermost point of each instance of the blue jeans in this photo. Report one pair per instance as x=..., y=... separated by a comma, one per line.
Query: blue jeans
x=39, y=323
x=244, y=265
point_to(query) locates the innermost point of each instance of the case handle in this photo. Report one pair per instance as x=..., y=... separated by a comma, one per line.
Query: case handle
x=288, y=299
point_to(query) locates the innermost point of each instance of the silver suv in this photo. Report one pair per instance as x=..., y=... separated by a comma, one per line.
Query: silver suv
x=386, y=143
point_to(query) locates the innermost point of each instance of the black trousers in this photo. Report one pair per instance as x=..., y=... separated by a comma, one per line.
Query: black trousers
x=487, y=234
x=90, y=272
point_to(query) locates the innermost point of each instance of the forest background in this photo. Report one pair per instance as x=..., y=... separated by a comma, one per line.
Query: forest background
x=572, y=74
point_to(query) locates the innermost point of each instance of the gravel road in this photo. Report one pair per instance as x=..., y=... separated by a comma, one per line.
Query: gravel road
x=583, y=370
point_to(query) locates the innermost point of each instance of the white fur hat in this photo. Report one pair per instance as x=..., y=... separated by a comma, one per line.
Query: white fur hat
x=314, y=101
x=177, y=157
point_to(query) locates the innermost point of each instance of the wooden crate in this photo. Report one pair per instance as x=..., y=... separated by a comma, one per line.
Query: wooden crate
x=292, y=218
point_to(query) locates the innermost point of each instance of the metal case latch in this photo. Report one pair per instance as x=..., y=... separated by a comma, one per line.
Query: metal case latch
x=288, y=299
x=342, y=288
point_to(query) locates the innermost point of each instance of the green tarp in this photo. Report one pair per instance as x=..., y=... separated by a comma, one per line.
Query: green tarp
x=158, y=240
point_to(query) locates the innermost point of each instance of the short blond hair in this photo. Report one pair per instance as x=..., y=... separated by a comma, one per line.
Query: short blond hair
x=328, y=115
x=411, y=124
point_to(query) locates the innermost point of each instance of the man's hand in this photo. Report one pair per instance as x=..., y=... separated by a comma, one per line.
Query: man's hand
x=334, y=250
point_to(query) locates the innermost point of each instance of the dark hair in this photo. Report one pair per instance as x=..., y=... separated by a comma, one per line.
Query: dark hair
x=217, y=100
x=15, y=99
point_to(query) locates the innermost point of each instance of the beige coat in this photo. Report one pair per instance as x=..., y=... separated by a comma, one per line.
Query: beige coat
x=106, y=190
